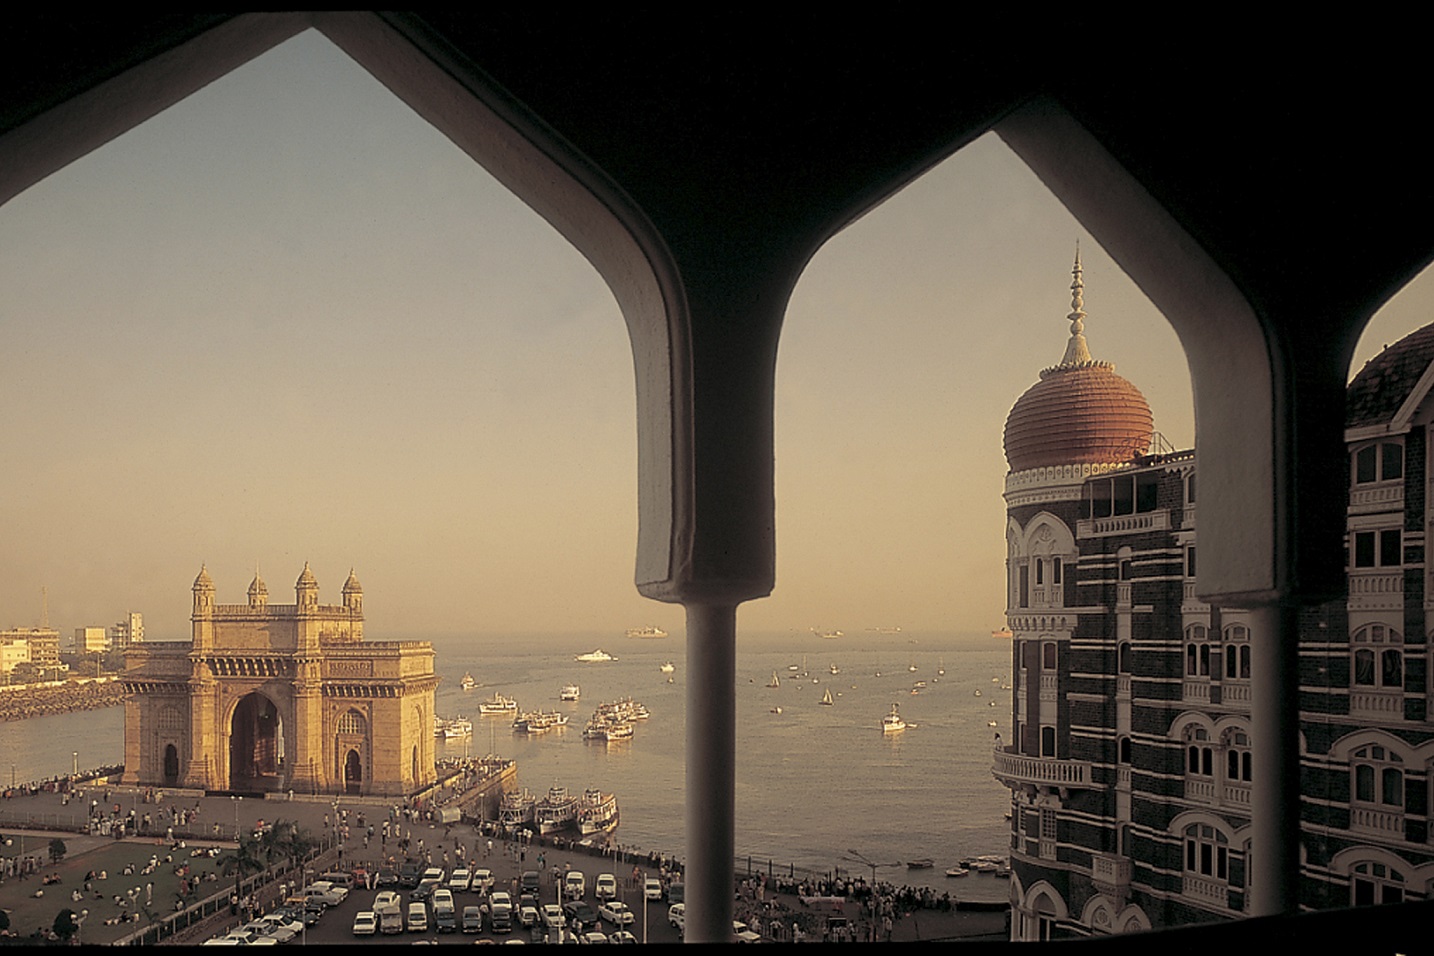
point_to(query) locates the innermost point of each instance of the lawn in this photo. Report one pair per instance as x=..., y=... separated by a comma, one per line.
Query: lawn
x=29, y=912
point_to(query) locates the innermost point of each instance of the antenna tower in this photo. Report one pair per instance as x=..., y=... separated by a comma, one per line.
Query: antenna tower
x=44, y=607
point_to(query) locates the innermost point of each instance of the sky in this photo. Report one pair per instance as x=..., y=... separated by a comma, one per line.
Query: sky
x=287, y=321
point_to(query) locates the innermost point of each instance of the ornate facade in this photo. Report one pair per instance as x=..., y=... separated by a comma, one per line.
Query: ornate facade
x=1130, y=757
x=280, y=697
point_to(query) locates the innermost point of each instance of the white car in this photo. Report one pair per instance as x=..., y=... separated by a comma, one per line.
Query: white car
x=365, y=923
x=528, y=915
x=677, y=915
x=553, y=917
x=606, y=887
x=652, y=888
x=385, y=898
x=459, y=879
x=482, y=881
x=443, y=896
x=593, y=937
x=575, y=885
x=616, y=912
x=622, y=936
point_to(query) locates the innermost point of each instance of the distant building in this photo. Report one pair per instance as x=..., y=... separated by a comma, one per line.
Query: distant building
x=270, y=698
x=91, y=640
x=43, y=644
x=12, y=652
x=128, y=631
x=1129, y=755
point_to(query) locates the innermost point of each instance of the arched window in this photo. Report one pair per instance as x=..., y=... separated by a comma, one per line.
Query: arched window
x=1123, y=655
x=1237, y=756
x=1372, y=884
x=1207, y=852
x=1197, y=651
x=1378, y=776
x=1048, y=741
x=352, y=722
x=1237, y=652
x=1378, y=657
x=1383, y=461
x=1200, y=756
x=1122, y=750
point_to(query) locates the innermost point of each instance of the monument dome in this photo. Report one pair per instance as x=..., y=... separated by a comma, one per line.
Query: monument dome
x=1080, y=412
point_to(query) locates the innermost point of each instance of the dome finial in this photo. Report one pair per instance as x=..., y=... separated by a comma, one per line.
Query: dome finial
x=1077, y=352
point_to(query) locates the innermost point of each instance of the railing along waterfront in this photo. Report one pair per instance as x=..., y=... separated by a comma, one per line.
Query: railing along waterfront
x=1042, y=770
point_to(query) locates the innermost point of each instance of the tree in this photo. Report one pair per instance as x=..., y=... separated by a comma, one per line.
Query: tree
x=247, y=858
x=57, y=850
x=66, y=923
x=287, y=841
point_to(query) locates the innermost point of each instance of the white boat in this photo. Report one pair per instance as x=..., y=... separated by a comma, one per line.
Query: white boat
x=1003, y=633
x=517, y=809
x=597, y=812
x=596, y=657
x=648, y=632
x=467, y=683
x=835, y=670
x=958, y=871
x=557, y=810
x=570, y=692
x=449, y=729
x=829, y=635
x=668, y=667
x=498, y=706
x=827, y=698
x=774, y=682
x=892, y=722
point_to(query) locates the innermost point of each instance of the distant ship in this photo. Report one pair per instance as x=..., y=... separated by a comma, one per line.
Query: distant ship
x=892, y=722
x=648, y=632
x=597, y=812
x=1004, y=633
x=448, y=729
x=498, y=706
x=827, y=634
x=596, y=657
x=570, y=692
x=467, y=683
x=886, y=630
x=668, y=667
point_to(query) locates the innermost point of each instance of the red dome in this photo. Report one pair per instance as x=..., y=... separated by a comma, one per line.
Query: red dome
x=1078, y=414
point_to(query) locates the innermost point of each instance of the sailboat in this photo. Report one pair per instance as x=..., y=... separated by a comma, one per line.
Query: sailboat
x=774, y=682
x=827, y=698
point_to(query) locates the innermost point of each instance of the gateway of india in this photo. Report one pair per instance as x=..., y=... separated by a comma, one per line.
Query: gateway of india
x=279, y=697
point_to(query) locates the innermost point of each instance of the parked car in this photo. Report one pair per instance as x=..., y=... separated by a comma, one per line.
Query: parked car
x=616, y=912
x=528, y=915
x=443, y=896
x=500, y=911
x=593, y=937
x=386, y=876
x=575, y=885
x=417, y=918
x=482, y=881
x=677, y=916
x=423, y=891
x=445, y=919
x=472, y=919
x=677, y=893
x=365, y=923
x=580, y=915
x=528, y=883
x=622, y=936
x=652, y=888
x=553, y=917
x=409, y=874
x=459, y=879
x=606, y=887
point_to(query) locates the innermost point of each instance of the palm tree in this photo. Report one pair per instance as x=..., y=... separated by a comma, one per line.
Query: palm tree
x=247, y=858
x=287, y=841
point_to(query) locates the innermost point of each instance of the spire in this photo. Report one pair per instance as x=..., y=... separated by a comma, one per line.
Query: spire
x=1077, y=352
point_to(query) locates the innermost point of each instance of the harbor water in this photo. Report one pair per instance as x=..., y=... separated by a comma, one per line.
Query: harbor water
x=814, y=782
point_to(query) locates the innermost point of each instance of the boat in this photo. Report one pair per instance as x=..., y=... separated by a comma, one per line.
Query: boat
x=516, y=809
x=570, y=692
x=827, y=698
x=776, y=710
x=647, y=632
x=911, y=668
x=991, y=723
x=598, y=656
x=774, y=682
x=925, y=863
x=920, y=683
x=449, y=729
x=892, y=722
x=498, y=706
x=668, y=667
x=597, y=812
x=829, y=635
x=1004, y=633
x=941, y=668
x=556, y=811
x=467, y=683
x=835, y=670
x=958, y=871
x=978, y=692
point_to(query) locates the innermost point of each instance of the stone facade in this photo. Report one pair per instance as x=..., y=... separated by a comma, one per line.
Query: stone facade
x=269, y=698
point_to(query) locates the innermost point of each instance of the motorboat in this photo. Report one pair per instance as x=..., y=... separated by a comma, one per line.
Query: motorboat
x=892, y=722
x=467, y=683
x=499, y=706
x=668, y=667
x=925, y=863
x=449, y=729
x=958, y=871
x=570, y=692
x=516, y=809
x=647, y=632
x=598, y=656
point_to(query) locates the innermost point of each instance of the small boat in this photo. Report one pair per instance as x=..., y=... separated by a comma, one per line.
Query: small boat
x=835, y=670
x=647, y=632
x=995, y=680
x=598, y=656
x=958, y=871
x=570, y=692
x=516, y=809
x=892, y=722
x=827, y=698
x=557, y=810
x=467, y=683
x=978, y=692
x=991, y=723
x=911, y=668
x=498, y=706
x=668, y=667
x=829, y=635
x=920, y=683
x=448, y=729
x=941, y=668
x=925, y=863
x=776, y=710
x=774, y=682
x=1003, y=633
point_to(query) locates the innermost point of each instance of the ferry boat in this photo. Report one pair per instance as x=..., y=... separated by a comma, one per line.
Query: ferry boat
x=647, y=632
x=517, y=809
x=892, y=722
x=597, y=812
x=557, y=810
x=448, y=729
x=570, y=692
x=598, y=656
x=467, y=683
x=498, y=706
x=829, y=635
x=607, y=729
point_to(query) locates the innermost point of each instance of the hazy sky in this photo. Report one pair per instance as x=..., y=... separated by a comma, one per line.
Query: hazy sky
x=286, y=320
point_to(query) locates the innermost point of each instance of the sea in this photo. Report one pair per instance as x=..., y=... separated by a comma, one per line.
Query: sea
x=819, y=788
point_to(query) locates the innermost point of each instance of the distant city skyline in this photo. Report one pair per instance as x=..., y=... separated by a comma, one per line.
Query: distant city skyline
x=287, y=321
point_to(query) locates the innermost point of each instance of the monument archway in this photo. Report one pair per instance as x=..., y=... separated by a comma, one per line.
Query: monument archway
x=256, y=745
x=171, y=766
x=353, y=773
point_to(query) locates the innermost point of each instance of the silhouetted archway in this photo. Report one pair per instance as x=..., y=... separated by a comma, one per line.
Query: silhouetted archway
x=256, y=745
x=353, y=773
x=171, y=766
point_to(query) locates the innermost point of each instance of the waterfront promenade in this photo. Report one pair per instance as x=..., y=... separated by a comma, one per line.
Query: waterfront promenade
x=775, y=907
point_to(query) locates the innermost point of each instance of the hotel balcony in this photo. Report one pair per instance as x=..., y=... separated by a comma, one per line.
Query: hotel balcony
x=1376, y=590
x=1384, y=823
x=1201, y=889
x=1018, y=770
x=1123, y=524
x=1110, y=874
x=1377, y=704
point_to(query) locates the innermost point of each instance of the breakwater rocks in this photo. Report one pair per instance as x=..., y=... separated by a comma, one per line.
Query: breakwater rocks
x=20, y=701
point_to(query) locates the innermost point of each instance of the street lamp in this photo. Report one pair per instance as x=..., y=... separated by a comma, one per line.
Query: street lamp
x=80, y=926
x=860, y=858
x=236, y=801
x=75, y=755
